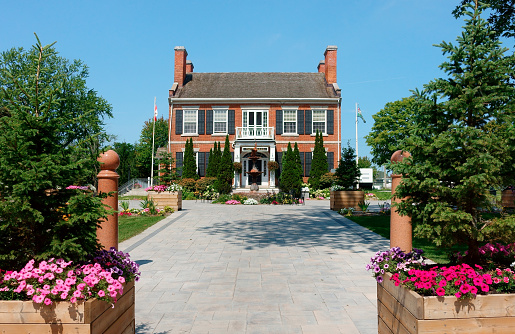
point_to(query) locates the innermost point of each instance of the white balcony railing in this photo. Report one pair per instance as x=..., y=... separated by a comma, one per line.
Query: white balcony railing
x=255, y=133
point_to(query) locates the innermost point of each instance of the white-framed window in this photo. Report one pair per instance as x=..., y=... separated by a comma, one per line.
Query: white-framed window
x=220, y=120
x=319, y=121
x=289, y=121
x=190, y=121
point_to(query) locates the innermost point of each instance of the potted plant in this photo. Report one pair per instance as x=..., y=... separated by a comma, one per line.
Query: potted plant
x=273, y=165
x=344, y=193
x=508, y=197
x=163, y=195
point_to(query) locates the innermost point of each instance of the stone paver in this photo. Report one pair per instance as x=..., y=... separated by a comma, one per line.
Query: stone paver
x=255, y=269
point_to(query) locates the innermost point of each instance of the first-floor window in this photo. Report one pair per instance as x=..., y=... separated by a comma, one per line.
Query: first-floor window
x=220, y=121
x=190, y=121
x=319, y=121
x=290, y=121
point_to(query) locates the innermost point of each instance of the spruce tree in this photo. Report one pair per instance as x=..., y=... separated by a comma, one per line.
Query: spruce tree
x=462, y=143
x=347, y=174
x=189, y=167
x=209, y=170
x=298, y=163
x=225, y=170
x=319, y=162
x=290, y=181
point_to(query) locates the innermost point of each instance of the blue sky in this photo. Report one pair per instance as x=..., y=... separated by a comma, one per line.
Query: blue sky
x=384, y=46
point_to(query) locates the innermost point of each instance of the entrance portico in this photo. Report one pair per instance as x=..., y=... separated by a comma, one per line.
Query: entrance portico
x=265, y=152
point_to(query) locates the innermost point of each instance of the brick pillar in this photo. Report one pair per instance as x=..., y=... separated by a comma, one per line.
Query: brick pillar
x=107, y=234
x=400, y=226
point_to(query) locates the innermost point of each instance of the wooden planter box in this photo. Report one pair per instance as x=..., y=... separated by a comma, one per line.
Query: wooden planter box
x=89, y=317
x=508, y=199
x=166, y=198
x=401, y=310
x=346, y=199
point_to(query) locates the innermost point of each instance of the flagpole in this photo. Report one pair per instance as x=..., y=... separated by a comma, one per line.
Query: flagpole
x=356, y=133
x=153, y=135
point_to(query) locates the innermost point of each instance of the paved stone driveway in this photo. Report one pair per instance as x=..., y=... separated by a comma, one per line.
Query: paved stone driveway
x=214, y=268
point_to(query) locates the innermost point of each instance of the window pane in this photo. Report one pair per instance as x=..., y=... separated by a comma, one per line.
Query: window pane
x=290, y=121
x=190, y=121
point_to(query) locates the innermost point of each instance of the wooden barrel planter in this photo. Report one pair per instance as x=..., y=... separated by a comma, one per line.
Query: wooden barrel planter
x=401, y=310
x=508, y=198
x=90, y=317
x=346, y=199
x=166, y=198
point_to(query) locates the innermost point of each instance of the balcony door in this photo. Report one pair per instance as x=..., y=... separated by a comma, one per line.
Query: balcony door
x=255, y=122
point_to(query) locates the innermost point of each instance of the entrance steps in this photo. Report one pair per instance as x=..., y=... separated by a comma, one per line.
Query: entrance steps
x=261, y=190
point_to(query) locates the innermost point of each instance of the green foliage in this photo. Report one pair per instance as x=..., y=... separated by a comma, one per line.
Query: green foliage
x=319, y=162
x=166, y=173
x=188, y=184
x=189, y=167
x=222, y=198
x=225, y=170
x=202, y=184
x=144, y=146
x=50, y=131
x=127, y=169
x=391, y=125
x=290, y=179
x=364, y=162
x=462, y=143
x=327, y=180
x=215, y=156
x=347, y=174
x=129, y=226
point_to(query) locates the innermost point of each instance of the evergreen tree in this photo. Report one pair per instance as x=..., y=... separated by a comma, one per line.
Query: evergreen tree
x=166, y=173
x=144, y=146
x=189, y=167
x=225, y=170
x=214, y=161
x=209, y=170
x=462, y=144
x=347, y=174
x=290, y=181
x=319, y=162
x=298, y=163
x=127, y=169
x=48, y=119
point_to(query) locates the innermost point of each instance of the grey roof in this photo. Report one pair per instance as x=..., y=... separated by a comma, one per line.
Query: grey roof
x=255, y=85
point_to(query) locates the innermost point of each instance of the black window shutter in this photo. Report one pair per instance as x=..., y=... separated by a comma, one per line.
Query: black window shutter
x=178, y=122
x=209, y=122
x=207, y=160
x=201, y=164
x=278, y=158
x=300, y=122
x=330, y=161
x=308, y=121
x=279, y=122
x=201, y=121
x=303, y=163
x=330, y=122
x=178, y=162
x=308, y=157
x=232, y=156
x=231, y=124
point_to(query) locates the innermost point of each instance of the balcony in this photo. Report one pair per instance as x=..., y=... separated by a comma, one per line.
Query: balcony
x=255, y=133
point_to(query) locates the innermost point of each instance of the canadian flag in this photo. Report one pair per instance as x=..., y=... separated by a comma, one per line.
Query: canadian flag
x=155, y=110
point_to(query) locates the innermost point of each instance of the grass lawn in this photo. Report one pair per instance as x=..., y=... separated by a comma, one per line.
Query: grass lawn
x=129, y=226
x=126, y=198
x=381, y=226
x=381, y=195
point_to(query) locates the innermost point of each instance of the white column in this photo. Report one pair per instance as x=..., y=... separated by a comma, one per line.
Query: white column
x=272, y=173
x=237, y=159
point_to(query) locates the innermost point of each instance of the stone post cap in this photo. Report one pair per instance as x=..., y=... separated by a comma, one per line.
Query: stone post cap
x=109, y=160
x=399, y=155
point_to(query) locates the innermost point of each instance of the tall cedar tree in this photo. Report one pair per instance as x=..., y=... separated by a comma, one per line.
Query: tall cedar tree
x=319, y=164
x=209, y=169
x=166, y=173
x=48, y=118
x=347, y=174
x=214, y=161
x=144, y=146
x=225, y=170
x=463, y=143
x=189, y=167
x=289, y=178
x=298, y=162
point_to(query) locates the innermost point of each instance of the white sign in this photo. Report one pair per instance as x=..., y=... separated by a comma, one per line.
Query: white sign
x=367, y=175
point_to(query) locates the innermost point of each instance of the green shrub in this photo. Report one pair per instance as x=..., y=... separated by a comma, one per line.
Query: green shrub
x=222, y=198
x=202, y=184
x=188, y=184
x=327, y=180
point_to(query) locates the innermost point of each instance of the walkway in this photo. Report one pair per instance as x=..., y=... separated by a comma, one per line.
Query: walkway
x=214, y=268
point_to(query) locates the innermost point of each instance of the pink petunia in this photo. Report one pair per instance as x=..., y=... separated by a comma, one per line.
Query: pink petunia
x=440, y=291
x=101, y=293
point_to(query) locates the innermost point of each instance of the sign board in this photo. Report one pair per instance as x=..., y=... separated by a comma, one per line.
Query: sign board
x=367, y=175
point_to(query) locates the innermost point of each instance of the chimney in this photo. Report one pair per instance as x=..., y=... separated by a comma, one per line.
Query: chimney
x=321, y=67
x=189, y=66
x=180, y=65
x=330, y=64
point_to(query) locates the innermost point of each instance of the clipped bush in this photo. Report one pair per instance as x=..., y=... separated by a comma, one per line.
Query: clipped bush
x=188, y=184
x=327, y=180
x=202, y=184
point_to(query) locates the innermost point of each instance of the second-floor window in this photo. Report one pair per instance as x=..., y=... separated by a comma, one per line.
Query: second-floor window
x=190, y=121
x=290, y=121
x=220, y=121
x=319, y=121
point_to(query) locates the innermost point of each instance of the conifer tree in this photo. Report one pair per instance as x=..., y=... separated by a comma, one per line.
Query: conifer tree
x=347, y=174
x=290, y=181
x=225, y=170
x=462, y=143
x=209, y=170
x=189, y=167
x=319, y=162
x=298, y=163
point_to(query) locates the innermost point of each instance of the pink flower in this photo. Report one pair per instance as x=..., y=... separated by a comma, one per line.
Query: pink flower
x=506, y=279
x=76, y=293
x=64, y=295
x=48, y=301
x=101, y=293
x=465, y=288
x=485, y=288
x=440, y=291
x=73, y=300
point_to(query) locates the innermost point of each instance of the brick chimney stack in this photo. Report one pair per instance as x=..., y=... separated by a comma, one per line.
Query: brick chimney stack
x=180, y=65
x=321, y=67
x=330, y=64
x=189, y=66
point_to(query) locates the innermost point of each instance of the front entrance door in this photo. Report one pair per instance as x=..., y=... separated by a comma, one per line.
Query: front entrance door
x=261, y=165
